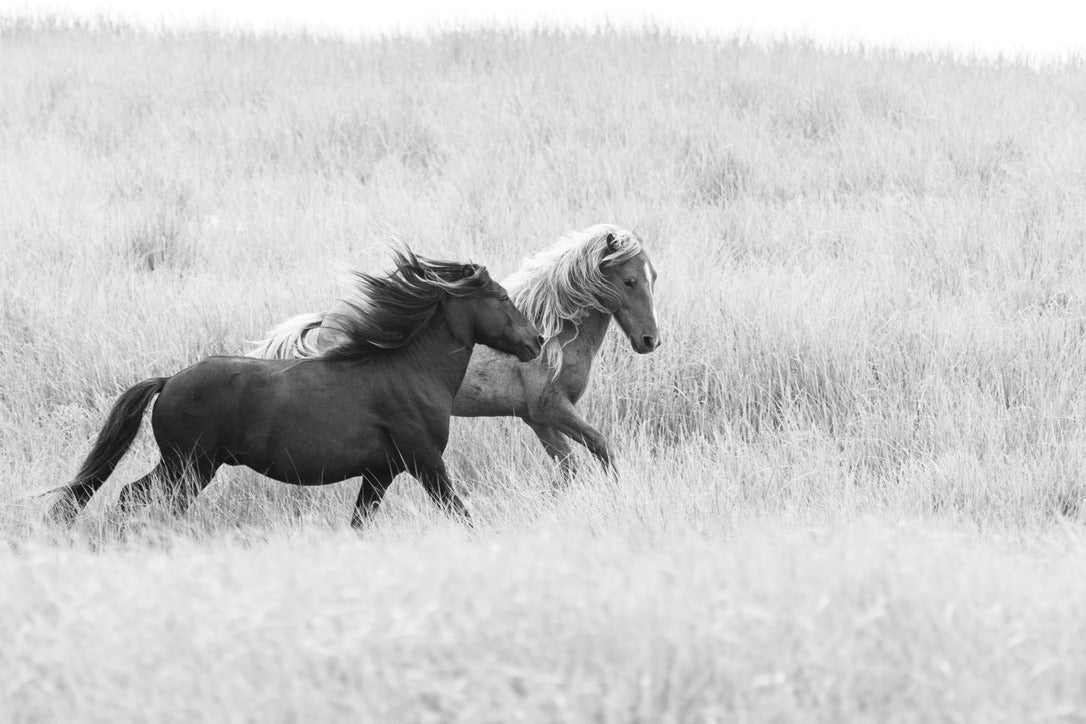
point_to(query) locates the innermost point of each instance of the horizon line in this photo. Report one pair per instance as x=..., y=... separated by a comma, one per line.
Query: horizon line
x=161, y=23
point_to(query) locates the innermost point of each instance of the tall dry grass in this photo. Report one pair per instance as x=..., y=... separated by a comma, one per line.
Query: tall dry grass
x=850, y=480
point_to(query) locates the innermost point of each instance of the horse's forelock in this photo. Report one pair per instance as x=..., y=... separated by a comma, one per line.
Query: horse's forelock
x=624, y=246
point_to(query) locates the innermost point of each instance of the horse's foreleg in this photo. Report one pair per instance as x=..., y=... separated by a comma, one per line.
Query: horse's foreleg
x=569, y=422
x=369, y=496
x=435, y=480
x=557, y=446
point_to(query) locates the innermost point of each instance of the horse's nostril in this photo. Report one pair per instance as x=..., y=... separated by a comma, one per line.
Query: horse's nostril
x=650, y=342
x=539, y=340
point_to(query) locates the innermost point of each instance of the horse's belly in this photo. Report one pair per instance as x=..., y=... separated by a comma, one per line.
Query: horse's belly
x=308, y=439
x=318, y=463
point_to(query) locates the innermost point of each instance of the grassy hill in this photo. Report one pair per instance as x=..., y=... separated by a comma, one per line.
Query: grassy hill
x=850, y=479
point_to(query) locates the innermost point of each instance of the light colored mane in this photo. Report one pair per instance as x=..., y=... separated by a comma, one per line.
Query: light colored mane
x=565, y=282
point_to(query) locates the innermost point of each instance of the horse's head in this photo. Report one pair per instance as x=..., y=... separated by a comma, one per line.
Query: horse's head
x=495, y=320
x=632, y=280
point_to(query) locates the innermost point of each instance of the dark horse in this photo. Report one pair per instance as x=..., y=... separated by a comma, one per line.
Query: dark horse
x=374, y=405
x=570, y=291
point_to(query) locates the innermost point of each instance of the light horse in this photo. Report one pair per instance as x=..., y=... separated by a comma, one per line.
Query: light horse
x=570, y=291
x=374, y=404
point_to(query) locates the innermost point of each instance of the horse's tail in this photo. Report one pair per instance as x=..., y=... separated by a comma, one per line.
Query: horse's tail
x=290, y=339
x=113, y=442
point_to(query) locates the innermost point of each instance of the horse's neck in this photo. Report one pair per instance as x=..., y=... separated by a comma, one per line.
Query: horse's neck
x=581, y=341
x=438, y=353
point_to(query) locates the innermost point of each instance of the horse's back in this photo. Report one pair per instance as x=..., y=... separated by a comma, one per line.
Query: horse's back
x=207, y=380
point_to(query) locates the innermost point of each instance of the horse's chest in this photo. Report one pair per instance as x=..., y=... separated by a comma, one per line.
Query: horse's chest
x=574, y=381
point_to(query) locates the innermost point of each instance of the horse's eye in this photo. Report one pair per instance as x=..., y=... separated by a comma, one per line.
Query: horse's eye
x=628, y=282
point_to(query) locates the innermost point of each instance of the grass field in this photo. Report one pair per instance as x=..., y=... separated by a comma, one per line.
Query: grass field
x=851, y=479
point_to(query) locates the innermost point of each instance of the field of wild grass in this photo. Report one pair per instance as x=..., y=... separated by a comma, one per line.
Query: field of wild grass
x=850, y=481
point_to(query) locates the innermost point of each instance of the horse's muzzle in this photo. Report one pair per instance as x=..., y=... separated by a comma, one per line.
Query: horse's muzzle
x=646, y=344
x=529, y=352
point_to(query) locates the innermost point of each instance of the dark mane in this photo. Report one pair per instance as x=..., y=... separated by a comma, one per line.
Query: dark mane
x=387, y=312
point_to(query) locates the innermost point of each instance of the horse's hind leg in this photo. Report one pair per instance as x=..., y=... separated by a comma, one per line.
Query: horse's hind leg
x=138, y=493
x=74, y=497
x=184, y=485
x=179, y=481
x=373, y=489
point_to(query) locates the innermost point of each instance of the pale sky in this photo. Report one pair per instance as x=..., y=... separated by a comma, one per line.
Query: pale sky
x=1043, y=29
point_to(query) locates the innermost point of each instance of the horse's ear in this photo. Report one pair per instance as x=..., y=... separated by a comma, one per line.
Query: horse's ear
x=467, y=271
x=611, y=243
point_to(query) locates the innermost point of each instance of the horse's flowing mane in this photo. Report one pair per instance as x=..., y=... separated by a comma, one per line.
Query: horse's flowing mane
x=388, y=312
x=565, y=281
